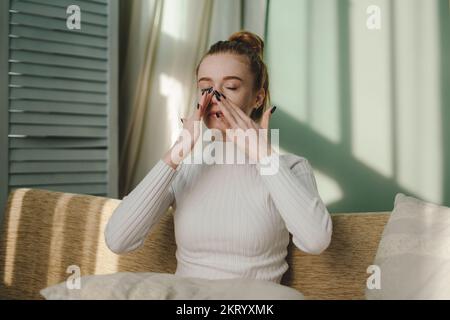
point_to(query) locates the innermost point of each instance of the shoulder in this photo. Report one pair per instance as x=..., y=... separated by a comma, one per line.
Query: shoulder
x=296, y=162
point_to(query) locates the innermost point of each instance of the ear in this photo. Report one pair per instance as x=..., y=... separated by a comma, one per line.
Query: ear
x=260, y=97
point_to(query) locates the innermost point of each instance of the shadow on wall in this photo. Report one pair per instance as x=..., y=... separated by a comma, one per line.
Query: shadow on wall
x=363, y=188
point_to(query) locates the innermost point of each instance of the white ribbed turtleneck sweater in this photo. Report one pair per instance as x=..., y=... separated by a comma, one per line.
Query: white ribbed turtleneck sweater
x=230, y=220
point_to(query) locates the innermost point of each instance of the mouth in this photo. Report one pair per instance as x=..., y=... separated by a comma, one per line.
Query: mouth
x=216, y=114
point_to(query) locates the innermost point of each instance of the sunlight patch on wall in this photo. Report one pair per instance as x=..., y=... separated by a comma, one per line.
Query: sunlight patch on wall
x=329, y=189
x=322, y=70
x=304, y=78
x=371, y=88
x=287, y=29
x=419, y=160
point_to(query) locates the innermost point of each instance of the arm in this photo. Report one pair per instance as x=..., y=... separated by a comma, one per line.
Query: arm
x=141, y=209
x=294, y=192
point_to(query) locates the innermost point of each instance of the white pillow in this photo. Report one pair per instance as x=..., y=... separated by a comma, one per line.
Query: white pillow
x=414, y=252
x=166, y=286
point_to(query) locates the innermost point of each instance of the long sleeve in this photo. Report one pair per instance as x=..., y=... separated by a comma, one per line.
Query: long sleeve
x=141, y=209
x=294, y=192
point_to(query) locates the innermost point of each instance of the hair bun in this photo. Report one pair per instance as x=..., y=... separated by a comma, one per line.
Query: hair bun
x=250, y=39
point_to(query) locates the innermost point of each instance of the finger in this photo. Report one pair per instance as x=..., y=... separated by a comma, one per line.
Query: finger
x=238, y=113
x=248, y=121
x=207, y=100
x=239, y=121
x=196, y=115
x=203, y=104
x=227, y=114
x=266, y=117
x=225, y=121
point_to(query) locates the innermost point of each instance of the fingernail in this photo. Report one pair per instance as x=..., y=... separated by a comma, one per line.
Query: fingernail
x=181, y=120
x=203, y=91
x=198, y=105
x=273, y=109
x=217, y=94
x=210, y=89
x=223, y=95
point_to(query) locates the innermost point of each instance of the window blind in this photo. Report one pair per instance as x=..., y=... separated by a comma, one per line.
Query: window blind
x=62, y=103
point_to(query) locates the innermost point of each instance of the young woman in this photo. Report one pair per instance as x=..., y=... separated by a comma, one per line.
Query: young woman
x=230, y=220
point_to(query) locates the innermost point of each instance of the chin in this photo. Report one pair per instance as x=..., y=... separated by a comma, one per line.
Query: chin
x=213, y=123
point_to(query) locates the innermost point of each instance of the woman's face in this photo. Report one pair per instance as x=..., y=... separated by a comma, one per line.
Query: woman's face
x=230, y=75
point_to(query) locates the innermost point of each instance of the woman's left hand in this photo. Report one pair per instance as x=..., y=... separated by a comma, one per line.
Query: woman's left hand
x=236, y=120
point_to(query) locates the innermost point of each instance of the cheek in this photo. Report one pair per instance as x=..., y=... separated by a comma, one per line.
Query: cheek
x=242, y=100
x=247, y=106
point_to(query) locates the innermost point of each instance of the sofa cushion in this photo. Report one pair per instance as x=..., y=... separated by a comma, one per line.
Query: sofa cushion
x=413, y=256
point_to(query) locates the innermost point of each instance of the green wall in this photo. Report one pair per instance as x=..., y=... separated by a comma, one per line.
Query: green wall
x=369, y=109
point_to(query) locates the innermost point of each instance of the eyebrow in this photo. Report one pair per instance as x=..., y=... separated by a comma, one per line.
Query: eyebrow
x=224, y=78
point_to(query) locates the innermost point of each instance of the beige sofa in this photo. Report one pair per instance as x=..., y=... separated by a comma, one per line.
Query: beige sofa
x=45, y=232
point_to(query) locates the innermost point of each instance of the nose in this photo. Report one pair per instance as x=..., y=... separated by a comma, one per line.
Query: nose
x=209, y=90
x=215, y=95
x=214, y=98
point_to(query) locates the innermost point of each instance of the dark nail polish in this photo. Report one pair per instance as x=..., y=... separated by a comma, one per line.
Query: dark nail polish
x=273, y=109
x=198, y=105
x=210, y=89
x=217, y=94
x=203, y=91
x=181, y=120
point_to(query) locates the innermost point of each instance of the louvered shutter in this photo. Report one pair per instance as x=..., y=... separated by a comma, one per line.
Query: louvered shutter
x=63, y=97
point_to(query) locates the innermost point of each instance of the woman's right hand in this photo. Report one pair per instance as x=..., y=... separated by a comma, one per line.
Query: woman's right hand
x=190, y=133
